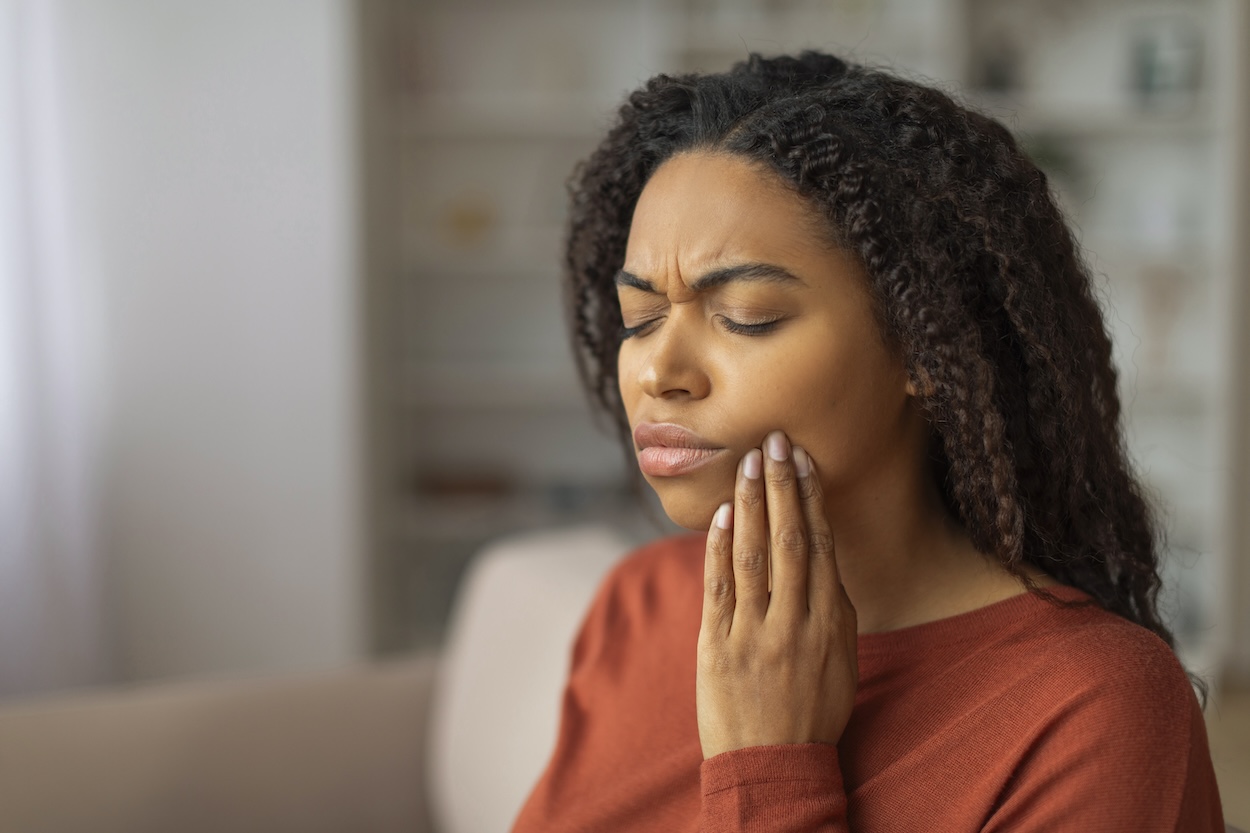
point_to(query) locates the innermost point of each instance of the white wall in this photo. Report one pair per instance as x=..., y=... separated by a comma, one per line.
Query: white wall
x=213, y=156
x=1238, y=588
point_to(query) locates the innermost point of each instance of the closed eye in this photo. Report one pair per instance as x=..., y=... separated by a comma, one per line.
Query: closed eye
x=738, y=327
x=750, y=329
x=630, y=332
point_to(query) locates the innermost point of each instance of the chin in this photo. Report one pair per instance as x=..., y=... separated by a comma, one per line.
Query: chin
x=687, y=505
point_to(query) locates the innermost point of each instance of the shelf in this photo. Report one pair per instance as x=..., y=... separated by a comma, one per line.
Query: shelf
x=1173, y=399
x=537, y=117
x=1122, y=260
x=446, y=265
x=491, y=385
x=1088, y=121
x=531, y=251
x=455, y=519
x=837, y=27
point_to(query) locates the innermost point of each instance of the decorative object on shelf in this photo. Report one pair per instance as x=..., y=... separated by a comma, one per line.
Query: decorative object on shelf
x=443, y=484
x=1060, y=160
x=469, y=220
x=998, y=68
x=410, y=54
x=1162, y=230
x=1164, y=286
x=997, y=59
x=1166, y=57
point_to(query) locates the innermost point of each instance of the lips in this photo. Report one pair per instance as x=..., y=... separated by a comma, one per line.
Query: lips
x=668, y=450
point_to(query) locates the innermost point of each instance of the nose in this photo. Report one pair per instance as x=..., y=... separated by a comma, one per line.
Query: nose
x=674, y=366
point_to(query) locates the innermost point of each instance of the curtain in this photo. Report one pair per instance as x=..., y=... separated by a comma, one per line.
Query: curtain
x=53, y=628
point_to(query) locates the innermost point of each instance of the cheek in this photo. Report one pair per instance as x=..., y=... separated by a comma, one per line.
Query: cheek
x=838, y=402
x=624, y=357
x=797, y=390
x=627, y=381
x=857, y=422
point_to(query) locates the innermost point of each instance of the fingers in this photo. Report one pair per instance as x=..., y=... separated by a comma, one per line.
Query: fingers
x=824, y=583
x=718, y=576
x=750, y=539
x=775, y=527
x=788, y=529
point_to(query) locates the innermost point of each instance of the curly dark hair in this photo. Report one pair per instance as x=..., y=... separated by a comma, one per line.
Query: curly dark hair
x=975, y=275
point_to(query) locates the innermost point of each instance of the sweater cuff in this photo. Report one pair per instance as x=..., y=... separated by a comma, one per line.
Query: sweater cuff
x=768, y=764
x=795, y=788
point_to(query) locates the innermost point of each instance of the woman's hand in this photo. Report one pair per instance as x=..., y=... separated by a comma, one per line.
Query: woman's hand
x=775, y=667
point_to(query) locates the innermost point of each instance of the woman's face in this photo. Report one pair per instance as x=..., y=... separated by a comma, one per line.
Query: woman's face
x=746, y=320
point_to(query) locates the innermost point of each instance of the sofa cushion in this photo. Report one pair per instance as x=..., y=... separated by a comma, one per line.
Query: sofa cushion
x=315, y=752
x=497, y=699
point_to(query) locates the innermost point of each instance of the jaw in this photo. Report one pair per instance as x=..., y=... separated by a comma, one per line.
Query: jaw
x=690, y=503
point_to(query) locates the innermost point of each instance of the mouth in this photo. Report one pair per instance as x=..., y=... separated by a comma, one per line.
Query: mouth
x=667, y=450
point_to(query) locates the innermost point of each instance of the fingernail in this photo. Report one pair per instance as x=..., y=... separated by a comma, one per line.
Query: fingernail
x=724, y=515
x=776, y=443
x=801, y=464
x=752, y=464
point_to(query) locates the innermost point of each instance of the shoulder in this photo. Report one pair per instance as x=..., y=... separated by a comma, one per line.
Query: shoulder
x=652, y=588
x=653, y=597
x=1095, y=656
x=1102, y=701
x=663, y=576
x=666, y=563
x=675, y=558
x=1094, y=688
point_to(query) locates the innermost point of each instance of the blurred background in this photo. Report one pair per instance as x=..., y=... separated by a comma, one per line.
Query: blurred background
x=281, y=339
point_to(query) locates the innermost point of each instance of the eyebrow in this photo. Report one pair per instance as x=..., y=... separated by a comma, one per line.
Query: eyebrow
x=762, y=272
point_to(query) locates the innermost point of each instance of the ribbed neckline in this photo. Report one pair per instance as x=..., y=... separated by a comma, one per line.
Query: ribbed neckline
x=967, y=627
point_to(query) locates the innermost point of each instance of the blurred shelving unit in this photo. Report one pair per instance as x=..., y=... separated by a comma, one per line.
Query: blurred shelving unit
x=1124, y=103
x=492, y=103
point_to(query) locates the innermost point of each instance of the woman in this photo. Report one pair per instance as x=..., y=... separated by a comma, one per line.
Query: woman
x=844, y=328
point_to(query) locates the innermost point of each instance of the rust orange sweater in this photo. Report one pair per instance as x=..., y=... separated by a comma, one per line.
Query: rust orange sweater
x=1021, y=716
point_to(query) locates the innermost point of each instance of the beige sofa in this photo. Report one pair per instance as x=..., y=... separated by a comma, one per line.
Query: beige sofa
x=427, y=744
x=445, y=744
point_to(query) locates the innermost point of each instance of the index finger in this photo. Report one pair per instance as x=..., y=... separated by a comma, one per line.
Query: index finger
x=718, y=574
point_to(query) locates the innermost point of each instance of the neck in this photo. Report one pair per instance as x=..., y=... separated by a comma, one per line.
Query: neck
x=901, y=556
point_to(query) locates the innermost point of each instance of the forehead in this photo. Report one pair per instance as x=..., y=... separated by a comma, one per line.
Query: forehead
x=701, y=209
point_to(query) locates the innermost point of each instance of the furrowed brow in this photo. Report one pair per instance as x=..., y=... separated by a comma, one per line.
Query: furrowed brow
x=624, y=278
x=760, y=272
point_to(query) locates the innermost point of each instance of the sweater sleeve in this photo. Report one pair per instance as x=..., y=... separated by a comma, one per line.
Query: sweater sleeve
x=795, y=788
